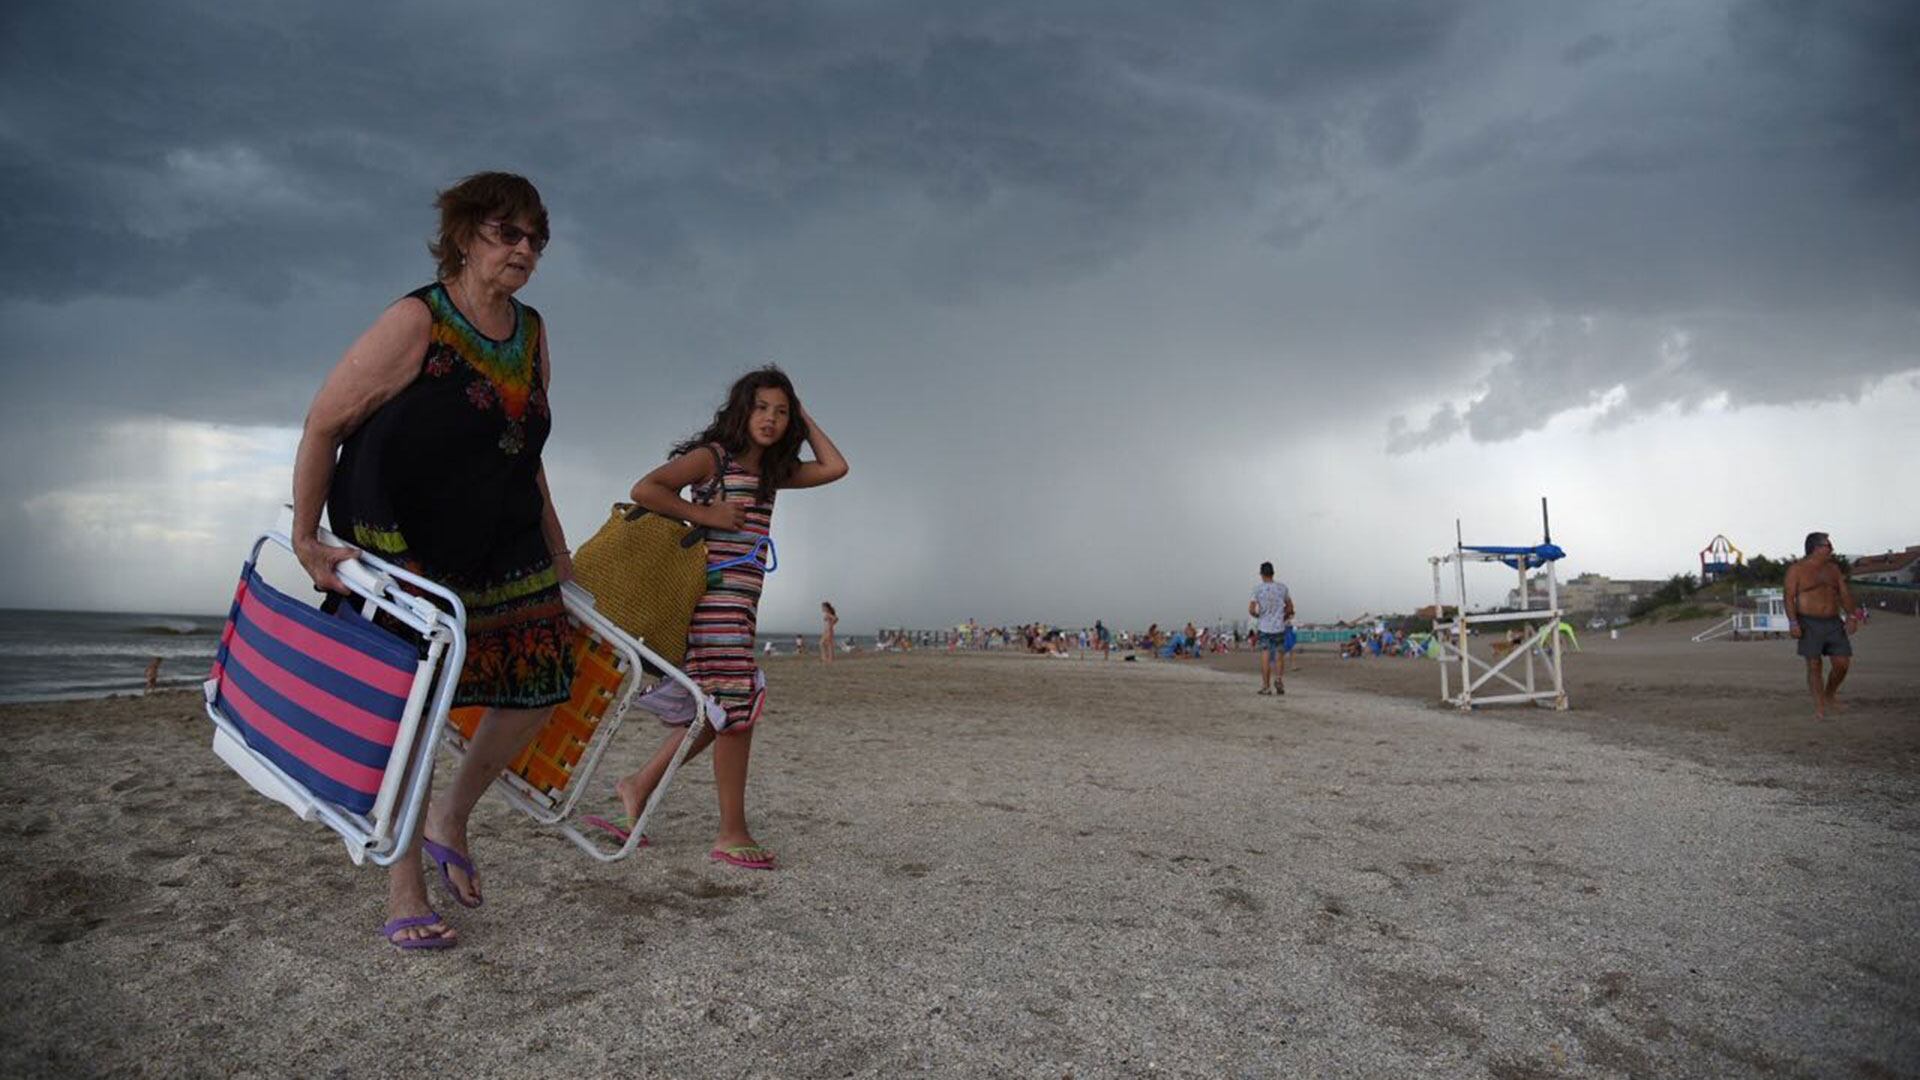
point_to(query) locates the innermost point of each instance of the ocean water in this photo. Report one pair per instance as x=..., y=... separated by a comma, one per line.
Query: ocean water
x=49, y=655
x=46, y=655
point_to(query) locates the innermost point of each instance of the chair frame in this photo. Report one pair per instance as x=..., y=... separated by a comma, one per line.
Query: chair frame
x=512, y=789
x=387, y=833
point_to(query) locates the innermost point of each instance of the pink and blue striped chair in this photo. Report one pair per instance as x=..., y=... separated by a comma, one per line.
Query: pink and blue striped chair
x=330, y=714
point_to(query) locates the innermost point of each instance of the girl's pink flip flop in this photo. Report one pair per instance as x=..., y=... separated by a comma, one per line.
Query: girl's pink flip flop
x=621, y=828
x=747, y=857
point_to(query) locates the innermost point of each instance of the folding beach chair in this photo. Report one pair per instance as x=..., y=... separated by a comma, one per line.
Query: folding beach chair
x=330, y=714
x=548, y=778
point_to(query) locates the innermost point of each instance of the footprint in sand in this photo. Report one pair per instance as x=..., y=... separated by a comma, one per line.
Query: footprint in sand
x=63, y=931
x=1238, y=899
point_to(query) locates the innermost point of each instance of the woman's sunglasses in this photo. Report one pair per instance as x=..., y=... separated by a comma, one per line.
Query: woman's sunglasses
x=510, y=235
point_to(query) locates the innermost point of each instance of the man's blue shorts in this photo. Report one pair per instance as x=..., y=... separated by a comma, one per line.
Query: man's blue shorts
x=1271, y=643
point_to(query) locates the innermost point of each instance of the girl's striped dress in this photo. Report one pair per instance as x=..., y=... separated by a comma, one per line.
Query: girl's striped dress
x=720, y=638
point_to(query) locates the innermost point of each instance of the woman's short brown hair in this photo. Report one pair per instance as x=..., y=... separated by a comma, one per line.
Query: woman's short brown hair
x=487, y=196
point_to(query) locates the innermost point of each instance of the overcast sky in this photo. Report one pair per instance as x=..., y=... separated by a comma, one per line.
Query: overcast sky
x=1105, y=302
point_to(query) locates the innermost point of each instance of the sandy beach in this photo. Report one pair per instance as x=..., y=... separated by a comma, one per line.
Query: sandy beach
x=999, y=865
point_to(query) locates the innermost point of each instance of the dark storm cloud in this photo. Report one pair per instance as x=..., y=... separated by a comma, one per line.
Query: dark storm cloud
x=658, y=123
x=1744, y=235
x=1587, y=48
x=1489, y=214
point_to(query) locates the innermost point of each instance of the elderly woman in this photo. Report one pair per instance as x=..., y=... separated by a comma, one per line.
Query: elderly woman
x=438, y=413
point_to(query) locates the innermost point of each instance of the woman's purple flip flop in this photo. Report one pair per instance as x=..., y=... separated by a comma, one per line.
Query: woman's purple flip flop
x=431, y=941
x=442, y=856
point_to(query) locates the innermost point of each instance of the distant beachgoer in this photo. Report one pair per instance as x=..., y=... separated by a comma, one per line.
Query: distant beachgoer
x=829, y=619
x=153, y=675
x=799, y=645
x=1272, y=608
x=1103, y=637
x=747, y=454
x=1514, y=638
x=1817, y=595
x=438, y=414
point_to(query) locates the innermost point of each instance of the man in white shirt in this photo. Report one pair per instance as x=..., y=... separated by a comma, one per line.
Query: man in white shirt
x=1272, y=607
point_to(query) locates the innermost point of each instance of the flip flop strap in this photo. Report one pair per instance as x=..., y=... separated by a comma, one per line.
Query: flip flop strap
x=409, y=922
x=443, y=855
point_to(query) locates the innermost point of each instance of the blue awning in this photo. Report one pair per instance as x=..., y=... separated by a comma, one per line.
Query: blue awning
x=1530, y=557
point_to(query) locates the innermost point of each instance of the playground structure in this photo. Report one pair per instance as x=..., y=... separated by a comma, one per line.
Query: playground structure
x=1538, y=652
x=1767, y=619
x=1718, y=559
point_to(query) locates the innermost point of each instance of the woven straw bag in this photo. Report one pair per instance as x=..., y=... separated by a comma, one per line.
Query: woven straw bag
x=646, y=573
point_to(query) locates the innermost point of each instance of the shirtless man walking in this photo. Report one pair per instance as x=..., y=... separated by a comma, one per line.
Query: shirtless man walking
x=1817, y=594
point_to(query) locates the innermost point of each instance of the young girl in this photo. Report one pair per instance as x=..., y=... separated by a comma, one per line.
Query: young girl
x=829, y=618
x=750, y=451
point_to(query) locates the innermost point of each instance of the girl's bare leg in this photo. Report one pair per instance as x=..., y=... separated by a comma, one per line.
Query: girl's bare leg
x=636, y=787
x=729, y=780
x=730, y=784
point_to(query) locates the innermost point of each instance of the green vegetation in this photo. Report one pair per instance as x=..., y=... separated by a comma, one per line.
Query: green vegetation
x=1761, y=571
x=1758, y=572
x=1678, y=588
x=1684, y=612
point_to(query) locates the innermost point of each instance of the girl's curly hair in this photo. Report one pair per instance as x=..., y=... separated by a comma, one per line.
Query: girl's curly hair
x=729, y=428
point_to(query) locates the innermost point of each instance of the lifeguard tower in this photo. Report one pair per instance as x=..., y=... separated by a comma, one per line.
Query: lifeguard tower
x=1538, y=653
x=1718, y=559
x=1767, y=619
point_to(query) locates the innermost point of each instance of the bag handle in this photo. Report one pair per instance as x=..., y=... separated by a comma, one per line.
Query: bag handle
x=695, y=533
x=702, y=493
x=715, y=486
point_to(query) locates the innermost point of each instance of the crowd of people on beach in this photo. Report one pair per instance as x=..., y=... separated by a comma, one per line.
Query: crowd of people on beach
x=1384, y=641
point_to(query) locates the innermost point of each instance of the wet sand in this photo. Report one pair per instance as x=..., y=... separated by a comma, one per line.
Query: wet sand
x=1019, y=866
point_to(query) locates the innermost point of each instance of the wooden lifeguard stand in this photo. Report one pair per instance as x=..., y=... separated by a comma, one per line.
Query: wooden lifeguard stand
x=1538, y=653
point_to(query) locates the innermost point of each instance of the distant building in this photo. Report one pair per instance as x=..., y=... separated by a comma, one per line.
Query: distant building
x=1893, y=568
x=1594, y=593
